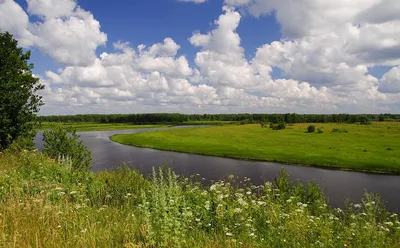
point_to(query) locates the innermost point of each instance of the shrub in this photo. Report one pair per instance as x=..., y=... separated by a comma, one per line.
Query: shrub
x=263, y=124
x=311, y=129
x=339, y=130
x=279, y=126
x=63, y=142
x=320, y=130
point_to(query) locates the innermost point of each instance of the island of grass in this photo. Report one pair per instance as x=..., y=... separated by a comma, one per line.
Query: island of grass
x=371, y=148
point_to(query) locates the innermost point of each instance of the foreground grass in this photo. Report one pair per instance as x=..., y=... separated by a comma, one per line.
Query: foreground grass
x=82, y=127
x=373, y=147
x=45, y=204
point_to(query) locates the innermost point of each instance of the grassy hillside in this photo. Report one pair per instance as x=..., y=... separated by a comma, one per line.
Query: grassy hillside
x=43, y=203
x=373, y=147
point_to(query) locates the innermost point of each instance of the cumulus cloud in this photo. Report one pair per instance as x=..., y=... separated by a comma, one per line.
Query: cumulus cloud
x=390, y=82
x=326, y=52
x=64, y=31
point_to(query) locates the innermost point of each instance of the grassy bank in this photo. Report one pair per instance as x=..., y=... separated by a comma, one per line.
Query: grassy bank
x=45, y=204
x=82, y=127
x=373, y=147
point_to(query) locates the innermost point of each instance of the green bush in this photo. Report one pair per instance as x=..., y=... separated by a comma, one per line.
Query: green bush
x=279, y=126
x=320, y=130
x=339, y=130
x=311, y=129
x=63, y=144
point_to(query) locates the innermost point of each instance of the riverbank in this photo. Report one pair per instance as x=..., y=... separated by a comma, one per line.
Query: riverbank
x=371, y=148
x=45, y=204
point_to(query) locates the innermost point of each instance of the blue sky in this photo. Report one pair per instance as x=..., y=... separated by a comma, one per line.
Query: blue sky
x=140, y=22
x=216, y=56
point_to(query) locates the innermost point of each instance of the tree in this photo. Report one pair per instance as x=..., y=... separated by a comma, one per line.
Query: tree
x=63, y=142
x=19, y=102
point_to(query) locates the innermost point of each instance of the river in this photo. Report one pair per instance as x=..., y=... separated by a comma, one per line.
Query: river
x=338, y=185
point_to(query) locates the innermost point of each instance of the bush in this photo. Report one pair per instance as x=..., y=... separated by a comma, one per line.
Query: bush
x=62, y=143
x=320, y=130
x=279, y=126
x=263, y=124
x=339, y=130
x=311, y=129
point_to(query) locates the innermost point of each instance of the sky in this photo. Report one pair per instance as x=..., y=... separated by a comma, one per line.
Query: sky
x=211, y=56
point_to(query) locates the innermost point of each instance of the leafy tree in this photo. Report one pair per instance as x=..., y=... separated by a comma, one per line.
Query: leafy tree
x=19, y=102
x=63, y=142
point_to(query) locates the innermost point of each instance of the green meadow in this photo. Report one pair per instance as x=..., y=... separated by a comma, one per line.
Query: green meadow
x=45, y=203
x=83, y=127
x=372, y=148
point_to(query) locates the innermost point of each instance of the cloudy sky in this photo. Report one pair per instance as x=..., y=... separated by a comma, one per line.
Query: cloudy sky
x=211, y=56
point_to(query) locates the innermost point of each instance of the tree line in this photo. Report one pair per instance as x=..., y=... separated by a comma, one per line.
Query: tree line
x=156, y=118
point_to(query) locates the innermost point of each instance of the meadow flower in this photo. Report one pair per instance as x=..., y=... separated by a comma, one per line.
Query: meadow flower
x=388, y=223
x=237, y=210
x=229, y=234
x=251, y=234
x=357, y=205
x=84, y=230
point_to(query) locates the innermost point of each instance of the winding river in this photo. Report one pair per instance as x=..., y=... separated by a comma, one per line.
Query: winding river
x=338, y=185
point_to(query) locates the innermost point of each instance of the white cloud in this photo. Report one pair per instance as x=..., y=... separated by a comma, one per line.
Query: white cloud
x=325, y=53
x=50, y=8
x=390, y=82
x=64, y=31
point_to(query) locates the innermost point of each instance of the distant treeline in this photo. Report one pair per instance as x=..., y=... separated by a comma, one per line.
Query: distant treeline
x=244, y=118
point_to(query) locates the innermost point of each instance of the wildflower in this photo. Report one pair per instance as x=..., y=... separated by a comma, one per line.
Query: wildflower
x=357, y=205
x=229, y=234
x=84, y=230
x=261, y=203
x=388, y=223
x=213, y=187
x=248, y=193
x=251, y=234
x=237, y=210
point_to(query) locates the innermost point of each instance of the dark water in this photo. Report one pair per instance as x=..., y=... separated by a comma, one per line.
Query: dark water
x=338, y=185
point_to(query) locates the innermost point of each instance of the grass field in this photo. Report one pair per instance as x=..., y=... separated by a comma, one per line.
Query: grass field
x=44, y=203
x=82, y=127
x=373, y=148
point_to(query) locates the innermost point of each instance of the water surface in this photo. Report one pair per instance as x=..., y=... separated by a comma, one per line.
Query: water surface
x=338, y=185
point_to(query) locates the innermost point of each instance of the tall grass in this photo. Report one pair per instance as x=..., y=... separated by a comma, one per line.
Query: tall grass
x=43, y=203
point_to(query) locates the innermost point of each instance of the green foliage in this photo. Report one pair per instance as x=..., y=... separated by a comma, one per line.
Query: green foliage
x=263, y=124
x=175, y=118
x=279, y=126
x=19, y=102
x=339, y=130
x=311, y=129
x=364, y=120
x=43, y=204
x=63, y=142
x=320, y=130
